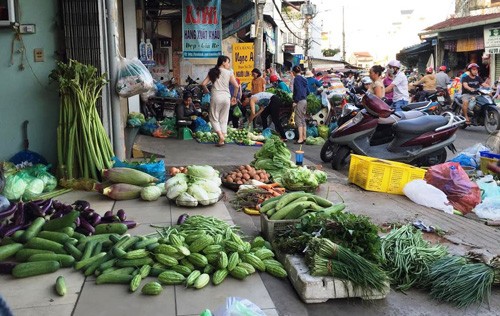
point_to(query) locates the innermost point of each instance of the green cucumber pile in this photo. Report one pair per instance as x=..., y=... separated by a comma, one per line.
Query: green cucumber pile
x=200, y=250
x=296, y=205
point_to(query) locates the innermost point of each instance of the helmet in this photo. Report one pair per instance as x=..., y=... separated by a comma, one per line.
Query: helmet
x=366, y=80
x=273, y=78
x=319, y=74
x=472, y=65
x=443, y=68
x=429, y=70
x=394, y=63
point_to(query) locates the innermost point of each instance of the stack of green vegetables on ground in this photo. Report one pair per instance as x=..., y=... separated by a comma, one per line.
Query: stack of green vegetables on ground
x=285, y=97
x=27, y=183
x=200, y=185
x=297, y=205
x=313, y=104
x=302, y=178
x=83, y=146
x=274, y=157
x=413, y=262
x=192, y=253
x=325, y=258
x=355, y=232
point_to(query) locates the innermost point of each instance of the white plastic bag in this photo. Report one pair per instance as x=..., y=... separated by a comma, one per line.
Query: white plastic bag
x=133, y=78
x=236, y=306
x=425, y=194
x=489, y=208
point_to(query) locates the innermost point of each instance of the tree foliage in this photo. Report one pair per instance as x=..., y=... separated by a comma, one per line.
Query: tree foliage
x=330, y=52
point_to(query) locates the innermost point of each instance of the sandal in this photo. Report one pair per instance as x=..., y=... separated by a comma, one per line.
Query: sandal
x=219, y=144
x=300, y=143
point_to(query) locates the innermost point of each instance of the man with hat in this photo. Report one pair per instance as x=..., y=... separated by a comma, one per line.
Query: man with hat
x=442, y=81
x=470, y=83
x=312, y=83
x=399, y=85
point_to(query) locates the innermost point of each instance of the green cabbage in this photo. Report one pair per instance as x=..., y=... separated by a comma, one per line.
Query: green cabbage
x=299, y=177
x=204, y=172
x=161, y=186
x=150, y=193
x=209, y=186
x=314, y=140
x=176, y=189
x=199, y=194
x=178, y=177
x=15, y=185
x=186, y=199
x=321, y=176
x=33, y=189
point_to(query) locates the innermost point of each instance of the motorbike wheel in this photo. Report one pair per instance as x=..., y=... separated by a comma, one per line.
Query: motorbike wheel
x=327, y=151
x=491, y=121
x=341, y=158
x=436, y=158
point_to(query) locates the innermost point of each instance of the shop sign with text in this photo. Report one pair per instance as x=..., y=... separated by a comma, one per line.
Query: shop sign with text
x=492, y=39
x=243, y=62
x=201, y=28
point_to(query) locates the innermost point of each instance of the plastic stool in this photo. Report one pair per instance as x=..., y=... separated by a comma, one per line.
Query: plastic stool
x=184, y=133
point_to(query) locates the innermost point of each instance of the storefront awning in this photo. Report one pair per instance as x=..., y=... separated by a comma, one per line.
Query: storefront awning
x=470, y=44
x=417, y=49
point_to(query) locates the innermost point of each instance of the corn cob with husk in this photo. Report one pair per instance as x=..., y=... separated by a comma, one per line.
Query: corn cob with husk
x=128, y=175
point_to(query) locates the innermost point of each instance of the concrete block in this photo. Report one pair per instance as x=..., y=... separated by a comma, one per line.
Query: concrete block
x=312, y=289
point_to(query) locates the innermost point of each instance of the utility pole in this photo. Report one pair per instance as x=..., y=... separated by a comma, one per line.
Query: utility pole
x=260, y=54
x=343, y=34
x=308, y=12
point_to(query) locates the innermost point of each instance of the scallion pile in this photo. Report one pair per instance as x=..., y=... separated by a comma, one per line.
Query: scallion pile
x=453, y=279
x=325, y=258
x=83, y=146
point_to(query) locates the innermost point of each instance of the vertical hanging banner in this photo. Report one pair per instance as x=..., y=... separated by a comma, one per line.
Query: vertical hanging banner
x=243, y=62
x=201, y=28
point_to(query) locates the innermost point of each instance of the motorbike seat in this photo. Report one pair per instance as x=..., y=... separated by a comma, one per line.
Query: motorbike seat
x=414, y=105
x=420, y=125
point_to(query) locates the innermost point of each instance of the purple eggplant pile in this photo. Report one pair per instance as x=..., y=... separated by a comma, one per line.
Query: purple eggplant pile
x=19, y=215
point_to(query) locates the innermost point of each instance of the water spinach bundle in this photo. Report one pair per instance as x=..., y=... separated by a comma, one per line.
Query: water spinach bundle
x=83, y=146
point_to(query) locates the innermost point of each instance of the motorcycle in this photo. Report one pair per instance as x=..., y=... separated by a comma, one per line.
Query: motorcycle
x=420, y=141
x=482, y=110
x=431, y=103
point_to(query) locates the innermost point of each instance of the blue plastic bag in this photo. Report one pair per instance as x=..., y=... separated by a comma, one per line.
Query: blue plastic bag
x=312, y=131
x=267, y=133
x=205, y=99
x=332, y=126
x=465, y=161
x=155, y=169
x=200, y=125
x=149, y=127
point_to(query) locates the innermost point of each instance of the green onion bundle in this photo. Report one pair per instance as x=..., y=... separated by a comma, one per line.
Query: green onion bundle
x=452, y=279
x=407, y=256
x=326, y=258
x=83, y=146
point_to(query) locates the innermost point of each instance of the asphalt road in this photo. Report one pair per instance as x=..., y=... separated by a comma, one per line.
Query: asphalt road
x=465, y=138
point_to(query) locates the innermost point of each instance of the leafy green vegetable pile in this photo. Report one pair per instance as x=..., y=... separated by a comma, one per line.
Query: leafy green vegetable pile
x=313, y=104
x=285, y=97
x=299, y=178
x=274, y=157
x=355, y=232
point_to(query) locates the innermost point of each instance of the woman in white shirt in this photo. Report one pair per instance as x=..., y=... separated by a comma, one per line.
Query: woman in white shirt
x=220, y=97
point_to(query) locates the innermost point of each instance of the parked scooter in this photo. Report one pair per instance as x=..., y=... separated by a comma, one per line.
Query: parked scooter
x=420, y=141
x=482, y=110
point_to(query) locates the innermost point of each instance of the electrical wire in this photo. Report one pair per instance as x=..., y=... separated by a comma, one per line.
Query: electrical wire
x=286, y=25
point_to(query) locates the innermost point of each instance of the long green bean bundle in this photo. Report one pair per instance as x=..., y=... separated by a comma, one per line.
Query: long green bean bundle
x=326, y=258
x=452, y=279
x=407, y=256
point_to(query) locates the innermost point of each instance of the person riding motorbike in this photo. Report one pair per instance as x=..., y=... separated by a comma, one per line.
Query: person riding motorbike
x=277, y=83
x=442, y=82
x=470, y=83
x=399, y=85
x=429, y=85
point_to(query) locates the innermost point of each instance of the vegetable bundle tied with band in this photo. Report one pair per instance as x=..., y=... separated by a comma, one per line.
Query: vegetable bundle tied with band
x=83, y=146
x=325, y=258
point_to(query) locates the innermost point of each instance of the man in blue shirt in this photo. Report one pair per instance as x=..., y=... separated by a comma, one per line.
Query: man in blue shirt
x=312, y=83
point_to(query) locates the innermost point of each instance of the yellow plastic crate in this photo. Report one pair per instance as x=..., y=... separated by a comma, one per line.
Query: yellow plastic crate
x=380, y=175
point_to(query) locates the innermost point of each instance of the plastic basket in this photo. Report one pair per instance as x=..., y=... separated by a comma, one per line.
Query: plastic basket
x=486, y=158
x=269, y=228
x=380, y=175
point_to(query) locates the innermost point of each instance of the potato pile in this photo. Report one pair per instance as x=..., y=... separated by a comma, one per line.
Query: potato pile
x=243, y=174
x=174, y=170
